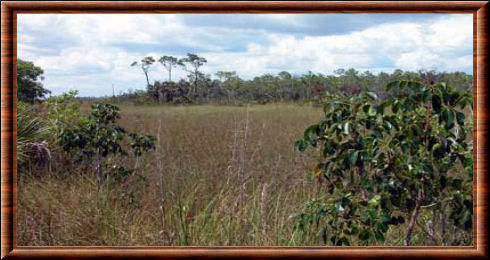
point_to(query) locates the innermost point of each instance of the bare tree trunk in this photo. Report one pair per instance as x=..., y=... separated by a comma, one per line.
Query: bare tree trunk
x=147, y=79
x=443, y=226
x=195, y=81
x=415, y=214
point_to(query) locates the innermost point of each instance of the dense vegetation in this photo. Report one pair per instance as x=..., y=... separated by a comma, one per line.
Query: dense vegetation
x=226, y=87
x=383, y=163
x=29, y=86
x=388, y=167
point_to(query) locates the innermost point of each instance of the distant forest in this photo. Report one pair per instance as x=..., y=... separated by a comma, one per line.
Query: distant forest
x=226, y=87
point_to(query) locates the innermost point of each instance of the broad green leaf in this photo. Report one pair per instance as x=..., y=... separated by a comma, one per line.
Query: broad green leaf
x=436, y=103
x=448, y=117
x=395, y=106
x=309, y=131
x=353, y=157
x=426, y=95
x=460, y=117
x=300, y=145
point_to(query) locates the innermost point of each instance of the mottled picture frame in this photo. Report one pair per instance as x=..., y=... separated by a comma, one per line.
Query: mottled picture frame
x=10, y=9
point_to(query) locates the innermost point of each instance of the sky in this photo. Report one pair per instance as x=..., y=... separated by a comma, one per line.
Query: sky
x=93, y=52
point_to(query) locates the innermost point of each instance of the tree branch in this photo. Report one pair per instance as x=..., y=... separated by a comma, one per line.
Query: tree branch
x=415, y=214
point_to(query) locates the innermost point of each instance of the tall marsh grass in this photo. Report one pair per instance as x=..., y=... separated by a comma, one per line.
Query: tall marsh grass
x=219, y=176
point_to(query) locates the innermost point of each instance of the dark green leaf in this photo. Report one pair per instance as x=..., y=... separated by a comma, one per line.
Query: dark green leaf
x=353, y=157
x=393, y=84
x=436, y=103
x=460, y=117
x=300, y=145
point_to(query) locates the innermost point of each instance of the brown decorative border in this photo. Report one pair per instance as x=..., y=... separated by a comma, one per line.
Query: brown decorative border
x=9, y=9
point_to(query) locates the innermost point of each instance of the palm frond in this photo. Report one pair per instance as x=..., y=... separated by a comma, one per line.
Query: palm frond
x=33, y=135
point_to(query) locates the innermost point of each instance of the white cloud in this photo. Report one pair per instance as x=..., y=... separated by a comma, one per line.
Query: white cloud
x=83, y=51
x=409, y=46
x=451, y=33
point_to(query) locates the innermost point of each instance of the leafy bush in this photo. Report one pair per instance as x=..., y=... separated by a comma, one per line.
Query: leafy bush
x=89, y=139
x=97, y=136
x=63, y=111
x=384, y=163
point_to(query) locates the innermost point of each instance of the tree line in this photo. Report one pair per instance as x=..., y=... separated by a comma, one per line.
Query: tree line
x=227, y=87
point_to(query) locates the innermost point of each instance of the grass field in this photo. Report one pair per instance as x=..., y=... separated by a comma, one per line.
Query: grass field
x=220, y=176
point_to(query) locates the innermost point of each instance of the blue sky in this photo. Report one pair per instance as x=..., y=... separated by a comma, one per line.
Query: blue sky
x=90, y=52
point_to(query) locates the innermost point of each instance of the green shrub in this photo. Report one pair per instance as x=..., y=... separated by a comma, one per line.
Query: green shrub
x=63, y=111
x=385, y=163
x=141, y=98
x=97, y=136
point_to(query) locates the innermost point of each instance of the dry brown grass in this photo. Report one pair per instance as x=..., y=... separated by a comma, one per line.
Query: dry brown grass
x=220, y=176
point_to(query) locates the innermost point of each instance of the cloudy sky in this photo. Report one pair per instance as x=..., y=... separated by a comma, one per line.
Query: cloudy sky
x=90, y=52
